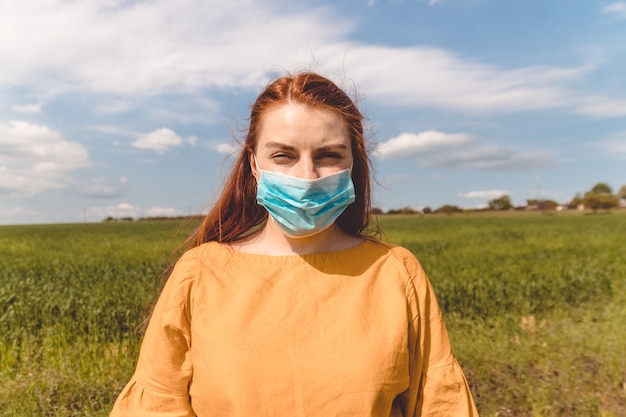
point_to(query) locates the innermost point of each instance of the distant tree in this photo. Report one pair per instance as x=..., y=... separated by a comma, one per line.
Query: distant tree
x=602, y=188
x=543, y=205
x=576, y=201
x=622, y=192
x=376, y=211
x=427, y=210
x=448, y=209
x=532, y=202
x=548, y=205
x=403, y=210
x=600, y=198
x=502, y=203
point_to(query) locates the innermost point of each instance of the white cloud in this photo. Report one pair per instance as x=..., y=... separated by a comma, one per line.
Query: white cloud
x=137, y=49
x=35, y=158
x=422, y=76
x=602, y=107
x=113, y=130
x=615, y=9
x=163, y=211
x=160, y=140
x=490, y=158
x=408, y=145
x=225, y=148
x=485, y=195
x=460, y=150
x=27, y=108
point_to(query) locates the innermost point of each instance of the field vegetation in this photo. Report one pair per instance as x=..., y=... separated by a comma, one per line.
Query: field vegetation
x=535, y=305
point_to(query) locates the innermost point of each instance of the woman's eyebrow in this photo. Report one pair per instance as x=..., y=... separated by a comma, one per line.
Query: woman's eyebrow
x=336, y=146
x=332, y=146
x=279, y=145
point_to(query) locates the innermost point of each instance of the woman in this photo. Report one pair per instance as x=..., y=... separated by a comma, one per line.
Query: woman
x=300, y=312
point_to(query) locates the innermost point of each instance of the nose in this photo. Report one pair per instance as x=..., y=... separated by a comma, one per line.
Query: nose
x=306, y=169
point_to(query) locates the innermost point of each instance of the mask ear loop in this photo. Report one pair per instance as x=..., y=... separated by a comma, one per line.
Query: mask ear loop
x=258, y=169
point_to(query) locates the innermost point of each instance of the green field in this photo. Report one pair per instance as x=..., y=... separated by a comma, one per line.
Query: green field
x=535, y=305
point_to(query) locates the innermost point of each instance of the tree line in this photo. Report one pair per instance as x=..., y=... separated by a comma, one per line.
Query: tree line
x=600, y=197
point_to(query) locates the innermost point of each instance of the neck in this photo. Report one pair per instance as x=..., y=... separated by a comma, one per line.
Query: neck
x=271, y=240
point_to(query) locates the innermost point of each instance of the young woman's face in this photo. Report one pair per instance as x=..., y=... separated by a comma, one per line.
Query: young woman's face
x=302, y=142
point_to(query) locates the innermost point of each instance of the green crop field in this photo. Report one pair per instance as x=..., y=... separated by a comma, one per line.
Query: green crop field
x=535, y=305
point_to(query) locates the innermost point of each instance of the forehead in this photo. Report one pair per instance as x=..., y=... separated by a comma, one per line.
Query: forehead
x=300, y=125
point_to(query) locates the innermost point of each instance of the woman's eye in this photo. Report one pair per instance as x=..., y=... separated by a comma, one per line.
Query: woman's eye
x=282, y=157
x=329, y=156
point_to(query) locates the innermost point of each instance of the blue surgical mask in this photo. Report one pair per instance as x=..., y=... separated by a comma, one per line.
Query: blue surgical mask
x=304, y=207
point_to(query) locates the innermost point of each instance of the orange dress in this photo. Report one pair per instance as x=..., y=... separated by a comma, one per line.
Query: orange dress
x=356, y=332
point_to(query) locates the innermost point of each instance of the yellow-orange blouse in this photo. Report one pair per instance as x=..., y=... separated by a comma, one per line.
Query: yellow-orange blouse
x=356, y=332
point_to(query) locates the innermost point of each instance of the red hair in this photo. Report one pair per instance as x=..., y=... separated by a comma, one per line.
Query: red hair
x=236, y=211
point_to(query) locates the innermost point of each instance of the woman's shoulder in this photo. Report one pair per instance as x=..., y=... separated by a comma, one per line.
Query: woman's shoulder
x=212, y=251
x=192, y=260
x=394, y=250
x=403, y=258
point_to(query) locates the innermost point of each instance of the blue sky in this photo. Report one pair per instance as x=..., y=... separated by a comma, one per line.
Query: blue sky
x=132, y=107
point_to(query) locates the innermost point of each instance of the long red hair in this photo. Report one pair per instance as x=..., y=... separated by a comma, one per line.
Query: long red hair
x=236, y=211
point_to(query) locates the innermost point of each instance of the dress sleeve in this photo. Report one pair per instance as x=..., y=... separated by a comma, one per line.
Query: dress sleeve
x=437, y=384
x=160, y=385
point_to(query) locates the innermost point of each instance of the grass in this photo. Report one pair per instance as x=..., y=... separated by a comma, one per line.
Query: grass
x=71, y=300
x=535, y=306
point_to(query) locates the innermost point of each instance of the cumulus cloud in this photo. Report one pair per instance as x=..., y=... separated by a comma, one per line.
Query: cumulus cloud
x=460, y=150
x=35, y=158
x=161, y=140
x=226, y=148
x=408, y=145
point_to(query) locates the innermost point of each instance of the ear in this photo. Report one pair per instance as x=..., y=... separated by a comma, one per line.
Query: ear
x=253, y=165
